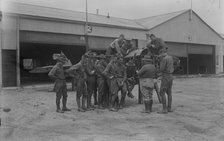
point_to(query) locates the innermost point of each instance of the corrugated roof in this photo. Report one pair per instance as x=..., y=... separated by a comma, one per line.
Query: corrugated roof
x=48, y=12
x=153, y=21
x=61, y=14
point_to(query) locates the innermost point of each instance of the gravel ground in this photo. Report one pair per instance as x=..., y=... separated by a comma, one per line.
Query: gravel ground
x=198, y=115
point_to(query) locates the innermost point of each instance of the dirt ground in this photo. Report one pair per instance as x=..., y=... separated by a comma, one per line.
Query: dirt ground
x=198, y=115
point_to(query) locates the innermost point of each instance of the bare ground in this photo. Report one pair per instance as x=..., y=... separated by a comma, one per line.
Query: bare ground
x=198, y=115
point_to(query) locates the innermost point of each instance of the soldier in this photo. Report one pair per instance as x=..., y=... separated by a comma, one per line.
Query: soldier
x=116, y=72
x=57, y=73
x=81, y=88
x=155, y=60
x=115, y=46
x=91, y=79
x=147, y=75
x=100, y=66
x=156, y=44
x=128, y=47
x=166, y=69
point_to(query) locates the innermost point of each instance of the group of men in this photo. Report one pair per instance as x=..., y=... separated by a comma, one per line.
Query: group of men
x=108, y=74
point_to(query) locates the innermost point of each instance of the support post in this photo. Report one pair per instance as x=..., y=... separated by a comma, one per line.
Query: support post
x=86, y=28
x=18, y=82
x=1, y=44
x=187, y=61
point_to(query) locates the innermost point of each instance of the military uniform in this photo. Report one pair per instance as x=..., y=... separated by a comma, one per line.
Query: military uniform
x=116, y=72
x=101, y=83
x=81, y=88
x=146, y=75
x=115, y=47
x=166, y=68
x=91, y=81
x=57, y=73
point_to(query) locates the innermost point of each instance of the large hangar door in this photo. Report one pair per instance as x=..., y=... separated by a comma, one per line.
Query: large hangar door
x=179, y=50
x=201, y=59
x=36, y=50
x=195, y=58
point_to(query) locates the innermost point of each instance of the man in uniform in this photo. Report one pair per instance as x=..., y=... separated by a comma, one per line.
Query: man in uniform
x=151, y=52
x=156, y=44
x=100, y=66
x=91, y=79
x=147, y=75
x=57, y=73
x=81, y=88
x=115, y=46
x=166, y=69
x=117, y=74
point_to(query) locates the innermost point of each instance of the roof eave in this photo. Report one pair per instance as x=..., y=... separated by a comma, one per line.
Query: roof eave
x=73, y=21
x=148, y=29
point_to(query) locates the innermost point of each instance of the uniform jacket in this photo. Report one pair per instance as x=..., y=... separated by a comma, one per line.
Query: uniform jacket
x=78, y=70
x=166, y=65
x=57, y=73
x=116, y=70
x=100, y=67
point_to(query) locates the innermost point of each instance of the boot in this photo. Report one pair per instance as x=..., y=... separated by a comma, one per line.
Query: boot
x=79, y=106
x=58, y=106
x=122, y=101
x=169, y=109
x=84, y=100
x=146, y=110
x=164, y=111
x=64, y=101
x=95, y=98
x=150, y=105
x=113, y=99
x=157, y=92
x=89, y=104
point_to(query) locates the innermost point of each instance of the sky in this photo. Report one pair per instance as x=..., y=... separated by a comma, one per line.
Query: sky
x=211, y=11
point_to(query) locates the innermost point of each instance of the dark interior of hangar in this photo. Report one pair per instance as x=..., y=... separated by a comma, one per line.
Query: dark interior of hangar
x=198, y=64
x=201, y=64
x=34, y=55
x=182, y=69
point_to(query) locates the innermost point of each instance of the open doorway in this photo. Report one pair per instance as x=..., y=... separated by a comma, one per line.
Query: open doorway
x=34, y=55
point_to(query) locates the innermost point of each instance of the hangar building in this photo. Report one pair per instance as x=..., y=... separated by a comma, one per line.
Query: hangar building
x=31, y=34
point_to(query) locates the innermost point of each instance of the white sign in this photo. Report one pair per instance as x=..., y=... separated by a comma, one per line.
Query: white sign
x=89, y=29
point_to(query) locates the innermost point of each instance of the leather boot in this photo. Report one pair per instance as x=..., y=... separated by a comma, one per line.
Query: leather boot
x=157, y=92
x=95, y=98
x=169, y=109
x=64, y=102
x=84, y=100
x=79, y=105
x=146, y=110
x=58, y=106
x=122, y=101
x=112, y=107
x=150, y=105
x=164, y=111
